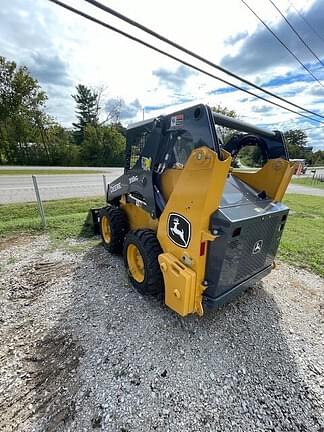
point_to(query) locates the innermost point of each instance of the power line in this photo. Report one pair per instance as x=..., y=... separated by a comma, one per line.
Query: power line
x=135, y=39
x=193, y=54
x=296, y=33
x=307, y=22
x=282, y=43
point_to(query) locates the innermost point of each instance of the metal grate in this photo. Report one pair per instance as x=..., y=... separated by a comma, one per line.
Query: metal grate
x=137, y=148
x=265, y=230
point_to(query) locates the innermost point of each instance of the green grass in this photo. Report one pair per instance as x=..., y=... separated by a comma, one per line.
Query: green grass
x=307, y=181
x=303, y=238
x=65, y=218
x=301, y=245
x=38, y=171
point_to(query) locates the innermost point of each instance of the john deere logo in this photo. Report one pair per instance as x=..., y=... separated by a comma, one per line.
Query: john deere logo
x=257, y=246
x=179, y=230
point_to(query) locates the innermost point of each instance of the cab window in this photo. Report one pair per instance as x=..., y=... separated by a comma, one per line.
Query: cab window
x=181, y=145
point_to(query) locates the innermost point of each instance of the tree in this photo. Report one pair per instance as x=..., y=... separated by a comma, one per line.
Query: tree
x=316, y=159
x=21, y=105
x=225, y=132
x=87, y=101
x=296, y=140
x=103, y=146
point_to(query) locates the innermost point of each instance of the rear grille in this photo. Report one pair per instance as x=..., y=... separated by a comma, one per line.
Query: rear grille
x=265, y=230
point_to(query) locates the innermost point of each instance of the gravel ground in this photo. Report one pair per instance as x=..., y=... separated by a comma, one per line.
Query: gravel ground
x=81, y=350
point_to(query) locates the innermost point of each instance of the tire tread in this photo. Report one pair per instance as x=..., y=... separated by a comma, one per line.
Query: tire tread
x=118, y=226
x=147, y=242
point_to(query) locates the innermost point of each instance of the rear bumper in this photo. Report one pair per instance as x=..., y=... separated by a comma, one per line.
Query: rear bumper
x=214, y=302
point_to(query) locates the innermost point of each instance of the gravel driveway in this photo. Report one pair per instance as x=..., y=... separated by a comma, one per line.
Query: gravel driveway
x=80, y=350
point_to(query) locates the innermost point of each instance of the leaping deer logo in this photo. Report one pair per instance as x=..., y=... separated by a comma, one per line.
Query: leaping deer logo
x=176, y=231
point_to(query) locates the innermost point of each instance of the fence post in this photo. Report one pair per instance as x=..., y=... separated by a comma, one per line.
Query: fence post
x=104, y=183
x=39, y=202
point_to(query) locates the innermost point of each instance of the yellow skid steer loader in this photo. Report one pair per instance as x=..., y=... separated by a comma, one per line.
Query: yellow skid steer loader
x=187, y=223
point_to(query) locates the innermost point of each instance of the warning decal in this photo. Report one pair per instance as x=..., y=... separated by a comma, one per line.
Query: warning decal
x=177, y=120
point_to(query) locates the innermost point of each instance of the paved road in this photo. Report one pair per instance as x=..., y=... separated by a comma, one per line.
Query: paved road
x=40, y=167
x=14, y=189
x=305, y=190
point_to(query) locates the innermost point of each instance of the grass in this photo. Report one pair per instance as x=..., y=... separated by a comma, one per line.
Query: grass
x=307, y=181
x=65, y=218
x=303, y=238
x=38, y=171
x=301, y=245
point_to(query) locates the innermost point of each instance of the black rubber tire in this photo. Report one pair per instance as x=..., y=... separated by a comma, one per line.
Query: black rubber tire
x=118, y=227
x=149, y=247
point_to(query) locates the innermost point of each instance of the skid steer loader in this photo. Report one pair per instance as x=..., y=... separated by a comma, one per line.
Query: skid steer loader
x=187, y=223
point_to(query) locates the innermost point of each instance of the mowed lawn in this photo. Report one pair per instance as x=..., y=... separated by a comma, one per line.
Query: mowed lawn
x=65, y=218
x=308, y=181
x=301, y=245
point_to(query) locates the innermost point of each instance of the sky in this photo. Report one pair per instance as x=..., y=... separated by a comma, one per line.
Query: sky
x=62, y=50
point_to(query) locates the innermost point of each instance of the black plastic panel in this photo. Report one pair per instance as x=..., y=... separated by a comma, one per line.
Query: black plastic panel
x=236, y=255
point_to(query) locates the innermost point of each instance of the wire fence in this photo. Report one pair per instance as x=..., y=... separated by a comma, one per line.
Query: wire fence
x=317, y=178
x=39, y=200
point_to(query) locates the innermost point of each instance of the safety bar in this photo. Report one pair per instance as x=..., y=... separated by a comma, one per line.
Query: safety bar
x=232, y=123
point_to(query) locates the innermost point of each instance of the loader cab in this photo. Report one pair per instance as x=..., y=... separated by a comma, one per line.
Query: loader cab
x=185, y=131
x=158, y=149
x=169, y=140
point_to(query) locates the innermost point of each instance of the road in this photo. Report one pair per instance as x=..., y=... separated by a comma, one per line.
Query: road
x=42, y=167
x=305, y=190
x=19, y=188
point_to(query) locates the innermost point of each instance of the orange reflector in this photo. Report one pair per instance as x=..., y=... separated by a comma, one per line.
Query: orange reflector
x=202, y=248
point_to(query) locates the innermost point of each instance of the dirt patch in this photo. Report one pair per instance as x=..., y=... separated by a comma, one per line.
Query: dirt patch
x=38, y=389
x=11, y=241
x=33, y=279
x=39, y=356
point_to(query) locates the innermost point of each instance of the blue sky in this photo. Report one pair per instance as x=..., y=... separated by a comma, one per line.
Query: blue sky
x=62, y=50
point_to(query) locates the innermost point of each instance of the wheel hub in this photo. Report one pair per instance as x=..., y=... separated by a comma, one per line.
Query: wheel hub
x=105, y=229
x=135, y=263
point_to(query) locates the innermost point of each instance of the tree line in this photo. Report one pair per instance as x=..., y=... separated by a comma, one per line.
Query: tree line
x=29, y=136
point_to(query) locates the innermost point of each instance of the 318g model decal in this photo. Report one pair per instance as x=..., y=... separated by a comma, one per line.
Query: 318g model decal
x=179, y=230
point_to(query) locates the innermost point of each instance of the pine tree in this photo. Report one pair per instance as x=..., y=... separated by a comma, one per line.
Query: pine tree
x=87, y=111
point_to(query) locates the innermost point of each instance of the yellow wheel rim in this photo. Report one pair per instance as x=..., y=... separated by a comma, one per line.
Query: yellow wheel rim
x=135, y=263
x=105, y=229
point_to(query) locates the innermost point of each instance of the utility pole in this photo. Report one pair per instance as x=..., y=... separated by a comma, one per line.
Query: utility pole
x=143, y=113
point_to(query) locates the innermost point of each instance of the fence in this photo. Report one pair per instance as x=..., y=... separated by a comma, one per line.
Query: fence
x=39, y=200
x=317, y=178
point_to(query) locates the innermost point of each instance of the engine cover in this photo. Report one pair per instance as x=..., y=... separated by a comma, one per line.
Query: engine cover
x=249, y=230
